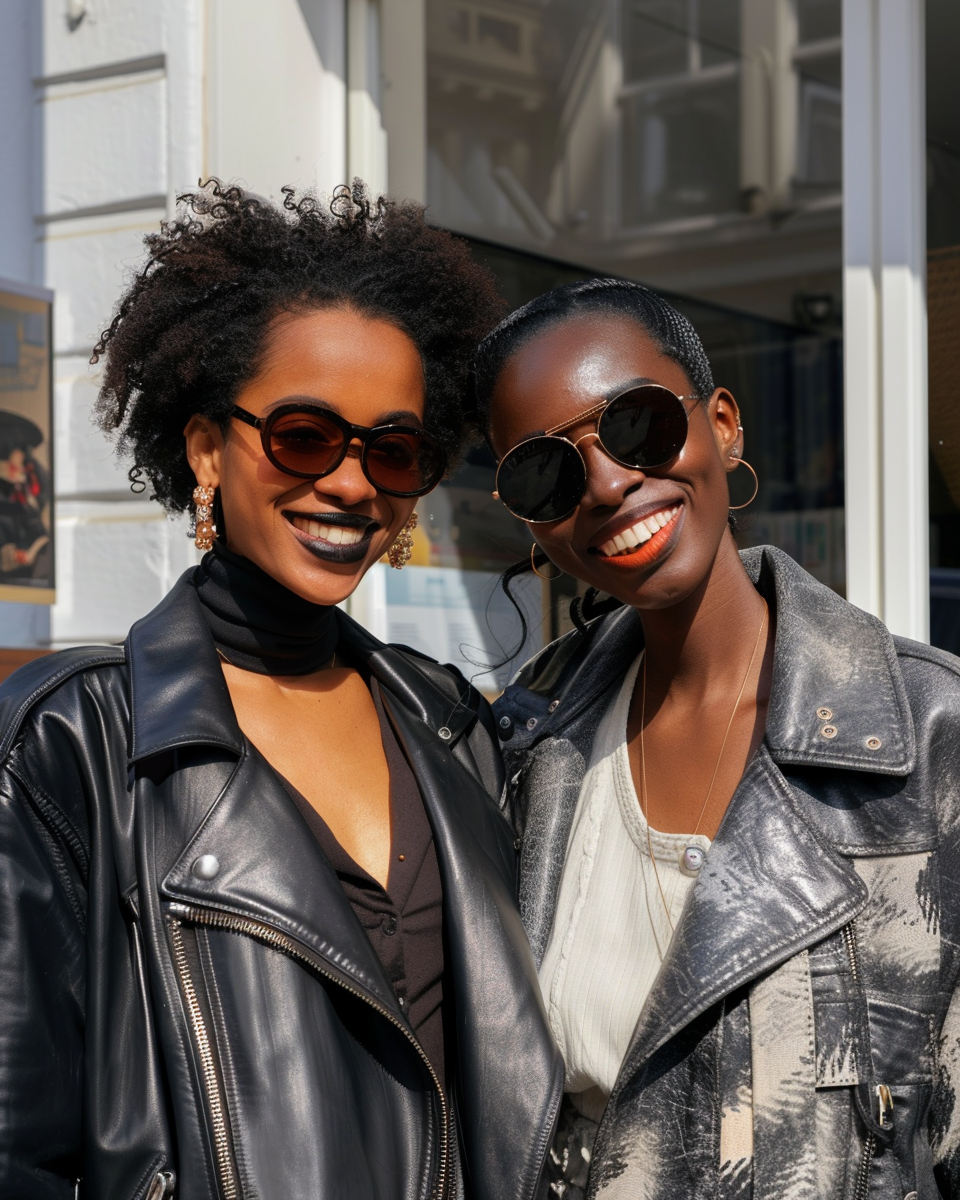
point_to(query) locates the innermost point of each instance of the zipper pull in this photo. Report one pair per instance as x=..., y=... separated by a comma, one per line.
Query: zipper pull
x=163, y=1184
x=875, y=1106
x=884, y=1106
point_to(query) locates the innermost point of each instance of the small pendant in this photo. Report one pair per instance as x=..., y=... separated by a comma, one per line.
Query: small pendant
x=691, y=860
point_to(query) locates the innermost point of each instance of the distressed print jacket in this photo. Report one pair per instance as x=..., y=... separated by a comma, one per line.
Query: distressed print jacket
x=802, y=1040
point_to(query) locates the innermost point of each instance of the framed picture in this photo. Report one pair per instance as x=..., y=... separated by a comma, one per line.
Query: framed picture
x=26, y=444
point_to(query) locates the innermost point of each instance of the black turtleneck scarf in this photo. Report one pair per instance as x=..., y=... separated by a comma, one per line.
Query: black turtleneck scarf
x=257, y=623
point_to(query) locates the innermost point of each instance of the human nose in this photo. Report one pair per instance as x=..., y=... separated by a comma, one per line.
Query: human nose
x=608, y=481
x=347, y=484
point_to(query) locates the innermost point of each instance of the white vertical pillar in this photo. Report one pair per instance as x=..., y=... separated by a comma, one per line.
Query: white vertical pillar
x=366, y=138
x=885, y=344
x=403, y=57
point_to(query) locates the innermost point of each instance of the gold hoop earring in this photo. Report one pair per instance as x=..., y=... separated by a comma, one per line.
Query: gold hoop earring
x=742, y=462
x=533, y=567
x=401, y=548
x=205, y=531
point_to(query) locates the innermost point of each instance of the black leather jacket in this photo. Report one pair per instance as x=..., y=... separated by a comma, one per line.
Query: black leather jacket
x=802, y=1039
x=163, y=1033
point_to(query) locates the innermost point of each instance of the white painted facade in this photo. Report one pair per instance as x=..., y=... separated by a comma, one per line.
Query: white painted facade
x=110, y=107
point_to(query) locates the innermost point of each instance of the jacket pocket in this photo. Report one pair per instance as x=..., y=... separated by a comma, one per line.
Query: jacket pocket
x=854, y=1096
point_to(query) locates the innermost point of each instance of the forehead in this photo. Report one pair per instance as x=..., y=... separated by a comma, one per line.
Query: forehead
x=570, y=366
x=340, y=356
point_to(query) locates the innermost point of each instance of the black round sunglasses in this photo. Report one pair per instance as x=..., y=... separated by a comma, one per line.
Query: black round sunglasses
x=544, y=477
x=309, y=441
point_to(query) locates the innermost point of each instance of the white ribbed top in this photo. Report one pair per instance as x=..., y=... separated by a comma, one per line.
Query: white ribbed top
x=610, y=930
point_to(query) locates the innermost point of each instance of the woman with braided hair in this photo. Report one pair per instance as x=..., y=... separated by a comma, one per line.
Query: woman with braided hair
x=257, y=897
x=738, y=798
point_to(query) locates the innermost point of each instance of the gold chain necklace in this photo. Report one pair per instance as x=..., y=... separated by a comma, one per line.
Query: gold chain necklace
x=644, y=807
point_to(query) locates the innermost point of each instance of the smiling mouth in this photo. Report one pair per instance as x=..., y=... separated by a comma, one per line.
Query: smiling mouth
x=629, y=540
x=334, y=537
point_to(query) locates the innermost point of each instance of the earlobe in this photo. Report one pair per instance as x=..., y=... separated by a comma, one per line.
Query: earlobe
x=727, y=428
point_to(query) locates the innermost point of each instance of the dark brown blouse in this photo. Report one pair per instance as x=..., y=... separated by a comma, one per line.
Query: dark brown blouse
x=405, y=921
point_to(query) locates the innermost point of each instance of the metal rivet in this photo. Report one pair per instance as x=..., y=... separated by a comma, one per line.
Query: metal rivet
x=207, y=866
x=554, y=704
x=691, y=860
x=828, y=731
x=873, y=743
x=532, y=723
x=505, y=722
x=824, y=713
x=444, y=733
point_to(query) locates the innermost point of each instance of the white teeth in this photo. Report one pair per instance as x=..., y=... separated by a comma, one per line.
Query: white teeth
x=636, y=535
x=336, y=535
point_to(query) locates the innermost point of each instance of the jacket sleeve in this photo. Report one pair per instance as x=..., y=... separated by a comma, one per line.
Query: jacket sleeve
x=42, y=977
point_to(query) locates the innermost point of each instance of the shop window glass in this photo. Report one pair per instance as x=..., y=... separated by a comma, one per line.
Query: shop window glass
x=693, y=145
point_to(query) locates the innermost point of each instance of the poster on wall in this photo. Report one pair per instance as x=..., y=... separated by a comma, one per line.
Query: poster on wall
x=26, y=450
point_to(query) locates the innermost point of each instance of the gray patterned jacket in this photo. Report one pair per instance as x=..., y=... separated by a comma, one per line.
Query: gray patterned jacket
x=802, y=1040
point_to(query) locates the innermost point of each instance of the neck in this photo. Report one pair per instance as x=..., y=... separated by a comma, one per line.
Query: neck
x=706, y=640
x=258, y=624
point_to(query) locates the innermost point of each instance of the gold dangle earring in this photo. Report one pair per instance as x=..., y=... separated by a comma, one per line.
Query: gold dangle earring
x=401, y=549
x=742, y=462
x=205, y=529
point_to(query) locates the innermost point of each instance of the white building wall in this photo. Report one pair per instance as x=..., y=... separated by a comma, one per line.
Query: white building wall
x=112, y=107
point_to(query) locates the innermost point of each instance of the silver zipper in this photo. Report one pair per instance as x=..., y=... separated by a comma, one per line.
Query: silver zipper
x=162, y=1185
x=850, y=941
x=881, y=1091
x=861, y=1188
x=286, y=945
x=221, y=1138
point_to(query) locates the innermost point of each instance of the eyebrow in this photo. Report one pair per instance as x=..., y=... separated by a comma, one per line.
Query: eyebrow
x=397, y=416
x=609, y=395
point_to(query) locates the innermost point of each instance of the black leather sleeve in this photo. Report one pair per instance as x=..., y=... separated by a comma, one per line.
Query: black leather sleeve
x=42, y=985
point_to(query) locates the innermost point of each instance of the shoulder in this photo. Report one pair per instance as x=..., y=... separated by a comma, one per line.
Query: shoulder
x=47, y=680
x=931, y=678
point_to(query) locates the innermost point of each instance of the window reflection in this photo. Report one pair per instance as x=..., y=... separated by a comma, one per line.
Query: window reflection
x=694, y=145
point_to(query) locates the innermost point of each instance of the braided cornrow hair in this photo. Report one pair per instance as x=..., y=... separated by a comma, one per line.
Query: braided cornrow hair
x=670, y=330
x=671, y=333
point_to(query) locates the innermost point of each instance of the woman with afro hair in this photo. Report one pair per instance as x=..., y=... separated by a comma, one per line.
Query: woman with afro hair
x=257, y=897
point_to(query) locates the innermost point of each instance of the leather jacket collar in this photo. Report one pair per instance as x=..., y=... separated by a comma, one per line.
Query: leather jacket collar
x=830, y=657
x=172, y=708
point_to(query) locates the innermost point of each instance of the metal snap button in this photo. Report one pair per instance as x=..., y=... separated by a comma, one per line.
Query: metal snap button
x=873, y=743
x=553, y=706
x=444, y=733
x=505, y=722
x=691, y=860
x=532, y=723
x=824, y=713
x=517, y=843
x=390, y=926
x=828, y=731
x=207, y=866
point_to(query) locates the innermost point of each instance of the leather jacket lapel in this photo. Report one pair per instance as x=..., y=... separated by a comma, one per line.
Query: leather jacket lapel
x=770, y=887
x=270, y=869
x=490, y=969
